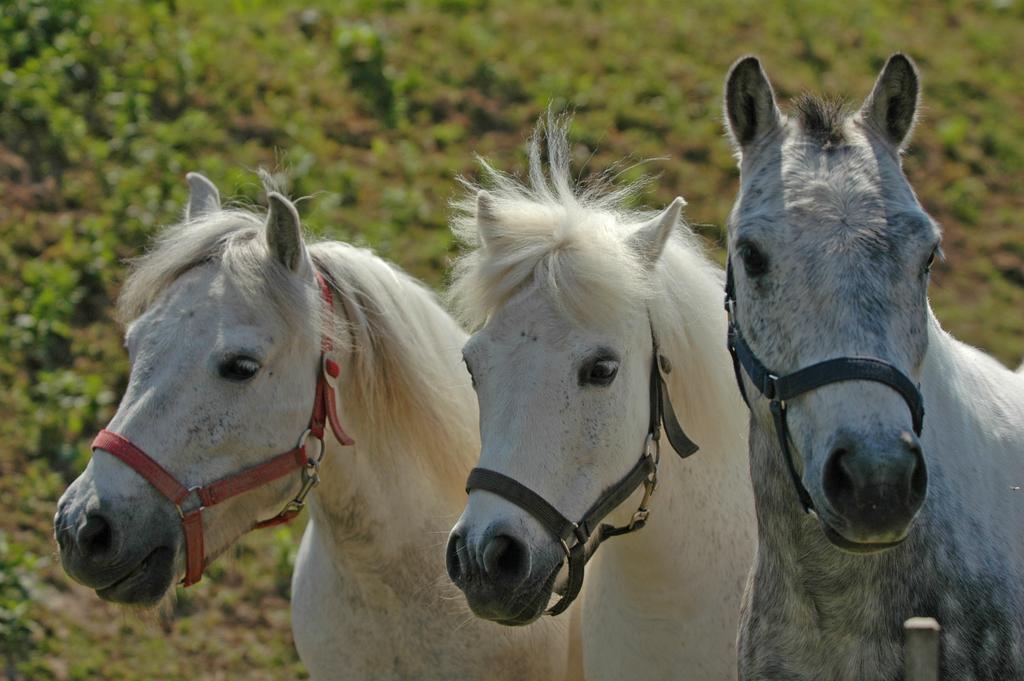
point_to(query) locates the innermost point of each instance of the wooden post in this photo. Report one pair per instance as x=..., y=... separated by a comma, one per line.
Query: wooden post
x=921, y=649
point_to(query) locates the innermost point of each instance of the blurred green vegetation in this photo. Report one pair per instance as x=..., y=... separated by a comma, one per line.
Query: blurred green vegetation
x=372, y=109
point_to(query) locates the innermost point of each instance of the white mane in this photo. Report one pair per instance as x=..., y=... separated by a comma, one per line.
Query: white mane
x=399, y=386
x=570, y=239
x=406, y=384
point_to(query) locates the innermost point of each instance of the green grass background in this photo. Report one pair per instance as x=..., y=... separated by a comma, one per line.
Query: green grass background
x=372, y=109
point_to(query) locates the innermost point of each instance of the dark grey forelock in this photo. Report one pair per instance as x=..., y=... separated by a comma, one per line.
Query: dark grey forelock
x=822, y=119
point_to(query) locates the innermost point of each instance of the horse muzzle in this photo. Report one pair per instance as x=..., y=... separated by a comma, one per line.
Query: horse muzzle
x=502, y=578
x=100, y=553
x=872, y=491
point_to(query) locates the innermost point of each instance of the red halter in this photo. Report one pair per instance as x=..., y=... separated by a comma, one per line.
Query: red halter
x=324, y=411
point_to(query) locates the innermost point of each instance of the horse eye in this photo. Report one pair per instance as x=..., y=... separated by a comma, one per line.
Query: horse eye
x=754, y=261
x=600, y=372
x=238, y=368
x=931, y=260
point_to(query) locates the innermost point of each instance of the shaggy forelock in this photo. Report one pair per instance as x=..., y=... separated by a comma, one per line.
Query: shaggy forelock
x=236, y=239
x=822, y=118
x=569, y=239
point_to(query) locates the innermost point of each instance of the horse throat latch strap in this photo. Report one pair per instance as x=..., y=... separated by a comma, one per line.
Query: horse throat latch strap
x=580, y=540
x=780, y=389
x=297, y=459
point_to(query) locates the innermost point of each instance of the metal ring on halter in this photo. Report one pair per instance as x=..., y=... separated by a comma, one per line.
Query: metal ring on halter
x=200, y=507
x=310, y=471
x=581, y=538
x=306, y=435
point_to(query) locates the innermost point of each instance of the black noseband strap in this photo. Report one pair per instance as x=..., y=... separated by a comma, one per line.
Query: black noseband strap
x=823, y=373
x=575, y=537
x=780, y=389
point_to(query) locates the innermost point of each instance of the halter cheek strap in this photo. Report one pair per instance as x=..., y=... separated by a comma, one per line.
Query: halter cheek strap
x=205, y=496
x=575, y=537
x=780, y=389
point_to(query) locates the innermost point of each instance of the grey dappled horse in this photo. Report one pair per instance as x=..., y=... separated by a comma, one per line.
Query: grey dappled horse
x=831, y=253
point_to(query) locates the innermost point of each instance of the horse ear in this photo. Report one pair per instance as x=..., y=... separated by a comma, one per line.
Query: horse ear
x=649, y=240
x=203, y=196
x=750, y=108
x=486, y=219
x=891, y=108
x=284, y=234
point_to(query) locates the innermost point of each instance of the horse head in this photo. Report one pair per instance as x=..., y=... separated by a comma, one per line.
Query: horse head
x=224, y=338
x=830, y=254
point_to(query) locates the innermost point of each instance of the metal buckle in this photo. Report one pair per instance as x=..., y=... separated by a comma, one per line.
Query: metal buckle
x=182, y=513
x=642, y=513
x=652, y=448
x=310, y=472
x=639, y=516
x=730, y=309
x=310, y=479
x=777, y=407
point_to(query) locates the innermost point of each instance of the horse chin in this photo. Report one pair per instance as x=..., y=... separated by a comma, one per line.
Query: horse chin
x=146, y=583
x=526, y=605
x=858, y=547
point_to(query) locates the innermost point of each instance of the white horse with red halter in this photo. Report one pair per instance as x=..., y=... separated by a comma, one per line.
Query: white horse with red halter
x=246, y=344
x=569, y=292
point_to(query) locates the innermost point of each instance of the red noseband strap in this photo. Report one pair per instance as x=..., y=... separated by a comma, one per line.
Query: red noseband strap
x=324, y=411
x=206, y=496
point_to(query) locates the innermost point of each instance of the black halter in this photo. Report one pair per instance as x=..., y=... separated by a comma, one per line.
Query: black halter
x=780, y=389
x=645, y=473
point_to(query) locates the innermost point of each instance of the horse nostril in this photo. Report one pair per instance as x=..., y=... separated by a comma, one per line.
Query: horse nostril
x=837, y=479
x=918, y=470
x=454, y=558
x=505, y=560
x=861, y=480
x=96, y=536
x=61, y=530
x=62, y=538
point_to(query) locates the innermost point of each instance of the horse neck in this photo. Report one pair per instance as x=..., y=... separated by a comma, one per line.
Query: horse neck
x=370, y=509
x=963, y=384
